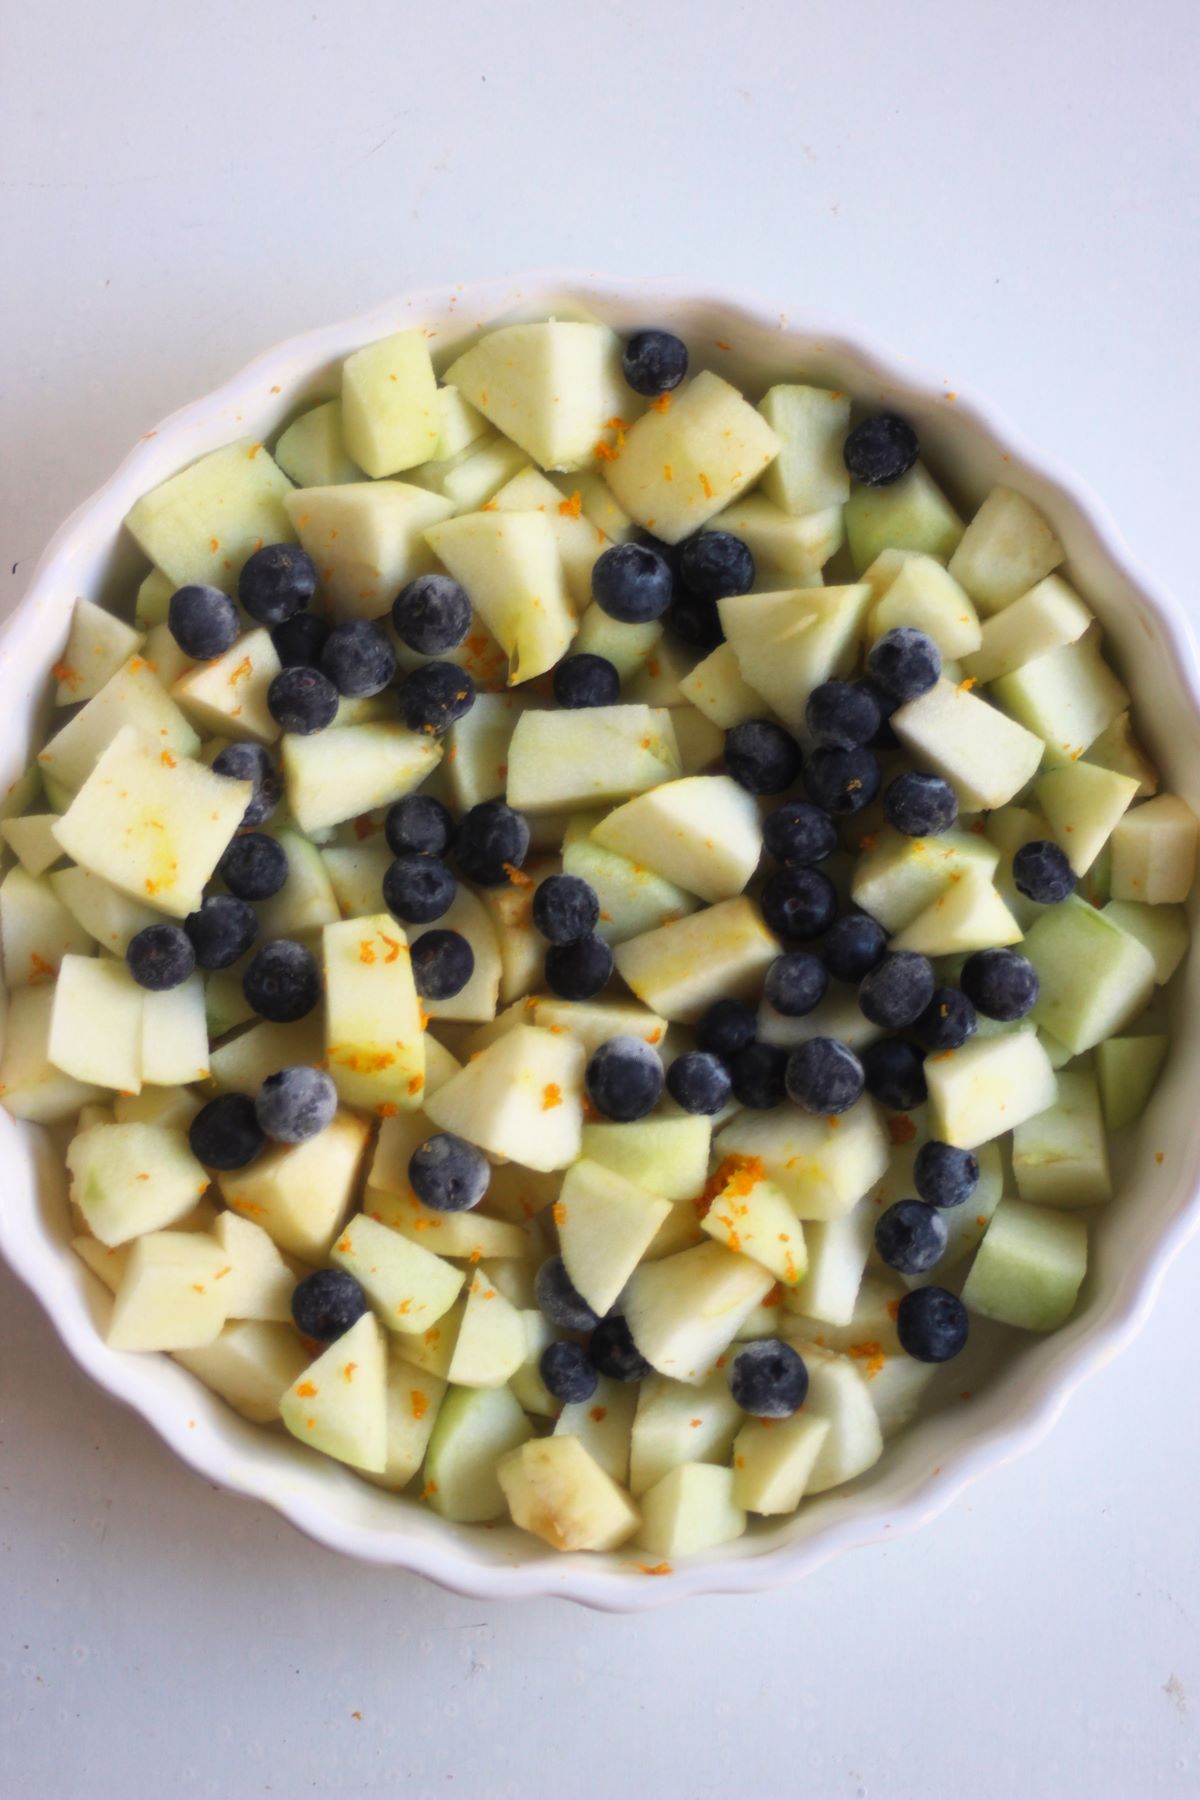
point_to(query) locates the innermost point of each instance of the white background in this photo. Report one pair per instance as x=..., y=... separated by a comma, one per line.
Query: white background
x=1006, y=193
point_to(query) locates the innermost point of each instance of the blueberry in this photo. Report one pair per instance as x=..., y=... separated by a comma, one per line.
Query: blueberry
x=300, y=640
x=796, y=982
x=895, y=1074
x=798, y=903
x=880, y=450
x=768, y=1379
x=254, y=867
x=580, y=970
x=222, y=930
x=762, y=756
x=558, y=1300
x=1042, y=873
x=757, y=1074
x=442, y=964
x=326, y=1304
x=897, y=990
x=431, y=615
x=920, y=805
x=418, y=823
x=295, y=1104
x=1000, y=983
x=203, y=621
x=418, y=889
x=586, y=680
x=654, y=362
x=226, y=1133
x=565, y=909
x=276, y=582
x=696, y=620
x=567, y=1373
x=632, y=583
x=824, y=1076
x=434, y=696
x=947, y=1022
x=302, y=700
x=842, y=781
x=492, y=841
x=884, y=738
x=944, y=1175
x=715, y=564
x=250, y=762
x=448, y=1174
x=799, y=832
x=160, y=957
x=905, y=663
x=931, y=1324
x=911, y=1237
x=282, y=981
x=613, y=1352
x=699, y=1082
x=624, y=1078
x=727, y=1027
x=841, y=715
x=854, y=945
x=358, y=659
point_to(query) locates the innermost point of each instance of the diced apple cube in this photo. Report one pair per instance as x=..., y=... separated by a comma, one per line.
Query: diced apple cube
x=356, y=875
x=752, y=1216
x=679, y=969
x=590, y=756
x=811, y=424
x=477, y=763
x=1117, y=748
x=925, y=597
x=605, y=1225
x=306, y=901
x=127, y=1179
x=98, y=644
x=475, y=1429
x=491, y=1344
x=32, y=841
x=367, y=539
x=339, y=1404
x=793, y=545
x=1127, y=1069
x=249, y=1364
x=134, y=696
x=312, y=451
x=561, y=1494
x=718, y=689
x=1006, y=549
x=1066, y=696
x=96, y=1025
x=203, y=523
x=787, y=643
x=106, y=916
x=967, y=915
x=593, y=1022
x=773, y=1460
x=409, y=1285
x=258, y=1283
x=684, y=1310
x=31, y=1087
x=243, y=1064
x=174, y=1047
x=1154, y=852
x=1095, y=978
x=552, y=387
x=632, y=898
x=1060, y=1158
x=627, y=647
x=106, y=1265
x=910, y=514
x=510, y=565
x=824, y=1167
x=153, y=600
x=1163, y=930
x=579, y=543
x=897, y=878
x=300, y=1193
x=374, y=765
x=1029, y=1267
x=702, y=833
x=837, y=1258
x=1084, y=805
x=701, y=743
x=664, y=1156
x=677, y=1423
x=989, y=1086
x=375, y=1044
x=521, y=1098
x=468, y=479
x=691, y=1509
x=461, y=423
x=1048, y=617
x=603, y=1424
x=37, y=930
x=414, y=1398
x=390, y=414
x=170, y=1296
x=838, y=1394
x=229, y=696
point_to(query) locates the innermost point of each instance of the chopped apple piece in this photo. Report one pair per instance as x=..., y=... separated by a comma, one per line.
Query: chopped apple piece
x=355, y=875
x=249, y=1364
x=837, y=1258
x=96, y=1025
x=243, y=1064
x=170, y=1296
x=691, y=1509
x=374, y=765
x=461, y=423
x=414, y=1398
x=153, y=600
x=1048, y=617
x=605, y=1225
x=897, y=878
x=632, y=898
x=306, y=901
x=491, y=1341
x=1163, y=929
x=300, y=1193
x=909, y=514
x=32, y=841
x=98, y=645
x=1029, y=1267
x=684, y=1310
x=134, y=696
x=838, y=1394
x=172, y=1106
x=367, y=539
x=597, y=504
x=701, y=743
x=823, y=1166
x=1154, y=852
x=510, y=565
x=773, y=1460
x=521, y=1098
x=1095, y=978
x=1060, y=1158
x=390, y=414
x=470, y=1235
x=410, y=1286
x=229, y=696
x=603, y=1423
x=312, y=451
x=985, y=756
x=627, y=647
x=339, y=1405
x=477, y=763
x=107, y=916
x=926, y=598
x=552, y=387
x=591, y=756
x=752, y=1216
x=967, y=915
x=787, y=643
x=811, y=424
x=203, y=523
x=37, y=930
x=469, y=479
x=664, y=1156
x=475, y=1429
x=682, y=967
x=374, y=1039
x=791, y=545
x=1066, y=696
x=1006, y=549
x=257, y=1283
x=593, y=1022
x=1117, y=748
x=1127, y=1069
x=174, y=1048
x=990, y=1085
x=133, y=1178
x=718, y=689
x=560, y=1493
x=676, y=1422
x=1084, y=805
x=702, y=833
x=31, y=1087
x=579, y=543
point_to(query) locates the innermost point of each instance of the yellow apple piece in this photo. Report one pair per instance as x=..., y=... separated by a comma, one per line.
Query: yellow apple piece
x=373, y=765
x=559, y=1492
x=228, y=696
x=367, y=539
x=202, y=524
x=391, y=419
x=510, y=565
x=339, y=1404
x=605, y=1225
x=97, y=646
x=521, y=1098
x=300, y=1193
x=552, y=387
x=170, y=1295
x=590, y=756
x=702, y=833
x=787, y=643
x=374, y=1038
x=681, y=968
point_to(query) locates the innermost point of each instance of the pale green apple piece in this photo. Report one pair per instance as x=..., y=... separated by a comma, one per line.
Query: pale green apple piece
x=1029, y=1268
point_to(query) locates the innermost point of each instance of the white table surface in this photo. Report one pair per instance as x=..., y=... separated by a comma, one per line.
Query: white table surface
x=1007, y=194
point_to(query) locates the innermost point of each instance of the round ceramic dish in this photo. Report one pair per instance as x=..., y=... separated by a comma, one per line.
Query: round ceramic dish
x=1020, y=1383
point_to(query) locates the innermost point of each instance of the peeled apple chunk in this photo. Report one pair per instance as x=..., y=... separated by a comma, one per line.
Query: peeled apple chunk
x=510, y=565
x=1163, y=929
x=910, y=514
x=258, y=1283
x=521, y=1098
x=37, y=929
x=374, y=765
x=1094, y=977
x=339, y=1404
x=96, y=1025
x=32, y=841
x=578, y=540
x=924, y=597
x=375, y=1042
x=133, y=696
x=170, y=1295
x=390, y=414
x=677, y=1423
x=98, y=645
x=1067, y=696
x=898, y=878
x=667, y=1157
x=475, y=1428
x=605, y=1226
x=1084, y=805
x=590, y=756
x=31, y=1087
x=702, y=833
x=787, y=643
x=1029, y=1267
x=718, y=689
x=552, y=387
x=823, y=1166
x=691, y=1509
x=367, y=539
x=632, y=898
x=1060, y=1158
x=1127, y=1069
x=559, y=1492
x=684, y=1310
x=968, y=915
x=300, y=1193
x=989, y=1086
x=491, y=1344
x=1117, y=748
x=130, y=1179
x=777, y=540
x=203, y=523
x=838, y=1394
x=809, y=472
x=1047, y=617
x=773, y=1460
x=410, y=1286
x=680, y=969
x=312, y=451
x=754, y=1218
x=985, y=756
x=1005, y=550
x=250, y=1364
x=229, y=695
x=1154, y=852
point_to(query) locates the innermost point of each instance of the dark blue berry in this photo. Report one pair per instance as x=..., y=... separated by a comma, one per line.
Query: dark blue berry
x=895, y=1074
x=842, y=781
x=432, y=615
x=492, y=840
x=796, y=982
x=715, y=564
x=326, y=1304
x=565, y=909
x=905, y=663
x=824, y=1076
x=762, y=756
x=442, y=964
x=254, y=867
x=841, y=715
x=632, y=583
x=418, y=823
x=884, y=738
x=580, y=970
x=854, y=945
x=897, y=990
x=358, y=659
x=947, y=1022
x=624, y=1079
x=302, y=700
x=945, y=1175
x=654, y=362
x=768, y=1379
x=1042, y=873
x=282, y=981
x=880, y=450
x=798, y=903
x=567, y=1373
x=699, y=1082
x=434, y=696
x=1000, y=984
x=276, y=582
x=300, y=640
x=911, y=1237
x=920, y=805
x=226, y=1133
x=757, y=1074
x=931, y=1324
x=160, y=957
x=613, y=1352
x=586, y=680
x=727, y=1027
x=295, y=1104
x=222, y=930
x=418, y=889
x=798, y=832
x=695, y=619
x=558, y=1299
x=250, y=762
x=203, y=621
x=448, y=1174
